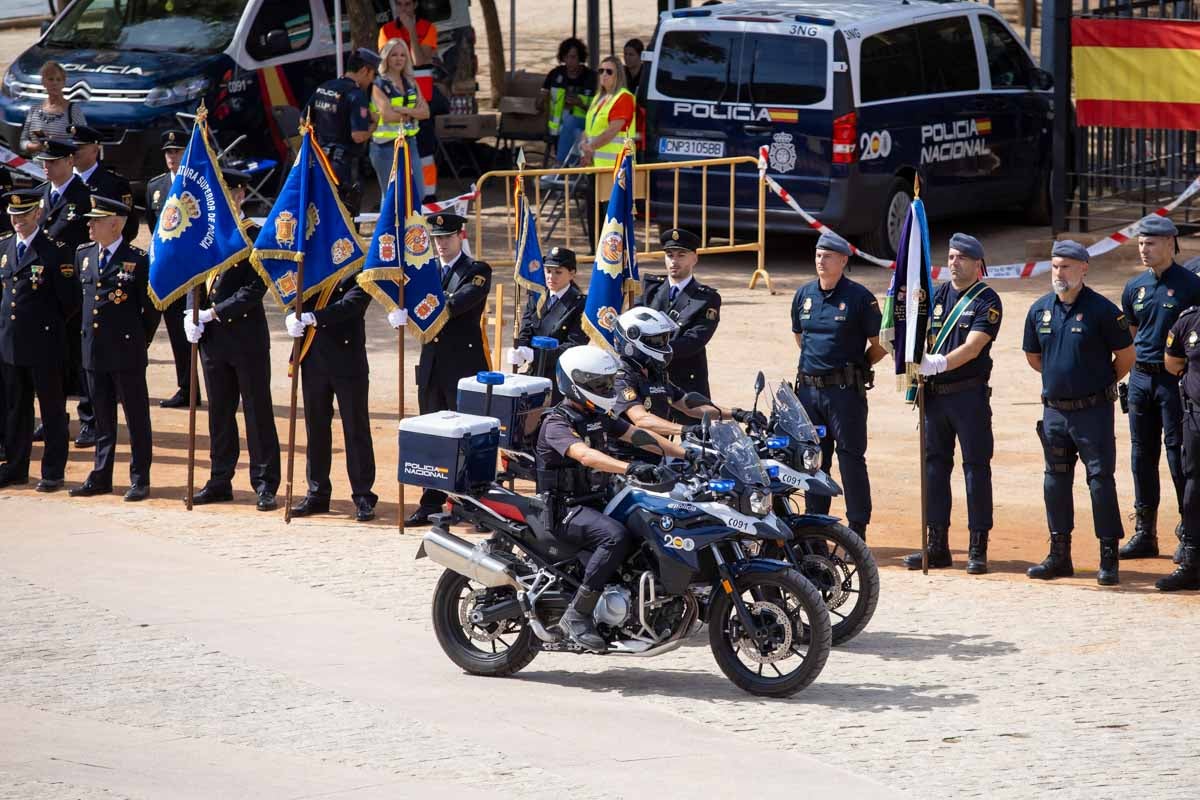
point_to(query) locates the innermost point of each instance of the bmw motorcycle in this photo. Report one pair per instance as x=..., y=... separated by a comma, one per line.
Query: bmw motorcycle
x=498, y=603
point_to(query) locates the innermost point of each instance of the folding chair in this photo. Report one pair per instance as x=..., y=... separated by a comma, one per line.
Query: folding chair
x=554, y=191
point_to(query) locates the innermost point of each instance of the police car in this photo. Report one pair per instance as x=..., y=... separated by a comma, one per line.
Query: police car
x=134, y=66
x=852, y=98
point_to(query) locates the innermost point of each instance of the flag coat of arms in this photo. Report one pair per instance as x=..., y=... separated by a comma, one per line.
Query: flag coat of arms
x=530, y=274
x=906, y=308
x=402, y=251
x=198, y=231
x=615, y=269
x=309, y=222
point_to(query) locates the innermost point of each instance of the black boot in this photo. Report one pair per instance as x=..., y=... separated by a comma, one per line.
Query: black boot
x=1058, y=563
x=1109, y=574
x=577, y=624
x=977, y=553
x=939, y=551
x=1188, y=574
x=1144, y=542
x=1178, y=557
x=860, y=528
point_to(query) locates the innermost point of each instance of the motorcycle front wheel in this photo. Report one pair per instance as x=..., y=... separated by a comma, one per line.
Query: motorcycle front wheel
x=795, y=640
x=494, y=649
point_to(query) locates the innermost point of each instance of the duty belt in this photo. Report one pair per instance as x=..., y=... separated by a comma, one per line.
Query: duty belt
x=957, y=386
x=848, y=376
x=1079, y=404
x=1149, y=367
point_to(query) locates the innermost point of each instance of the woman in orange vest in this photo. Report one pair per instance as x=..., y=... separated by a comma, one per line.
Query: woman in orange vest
x=420, y=35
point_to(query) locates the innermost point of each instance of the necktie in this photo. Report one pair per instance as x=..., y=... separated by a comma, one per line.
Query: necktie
x=20, y=251
x=54, y=197
x=674, y=293
x=549, y=304
x=103, y=259
x=445, y=272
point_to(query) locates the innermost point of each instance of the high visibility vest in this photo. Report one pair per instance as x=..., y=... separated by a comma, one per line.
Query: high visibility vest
x=388, y=131
x=558, y=102
x=597, y=123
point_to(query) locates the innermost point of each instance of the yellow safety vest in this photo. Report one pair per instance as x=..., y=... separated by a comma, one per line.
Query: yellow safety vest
x=558, y=102
x=597, y=123
x=388, y=131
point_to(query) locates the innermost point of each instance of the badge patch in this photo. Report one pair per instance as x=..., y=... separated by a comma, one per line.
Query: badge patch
x=937, y=310
x=1170, y=339
x=647, y=403
x=1170, y=292
x=607, y=317
x=479, y=280
x=157, y=196
x=1046, y=315
x=4, y=261
x=629, y=395
x=1122, y=323
x=1141, y=294
x=66, y=270
x=711, y=314
x=177, y=215
x=993, y=316
x=1192, y=337
x=841, y=306
x=808, y=304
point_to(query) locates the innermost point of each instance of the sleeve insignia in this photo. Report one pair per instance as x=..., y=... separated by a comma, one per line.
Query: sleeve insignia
x=67, y=270
x=127, y=199
x=479, y=280
x=1170, y=339
x=711, y=314
x=993, y=315
x=1122, y=322
x=648, y=403
x=629, y=395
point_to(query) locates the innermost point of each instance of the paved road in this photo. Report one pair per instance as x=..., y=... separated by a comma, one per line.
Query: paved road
x=143, y=659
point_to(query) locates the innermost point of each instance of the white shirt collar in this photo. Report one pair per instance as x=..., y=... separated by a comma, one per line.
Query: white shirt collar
x=112, y=248
x=28, y=242
x=88, y=174
x=682, y=284
x=63, y=188
x=450, y=264
x=559, y=294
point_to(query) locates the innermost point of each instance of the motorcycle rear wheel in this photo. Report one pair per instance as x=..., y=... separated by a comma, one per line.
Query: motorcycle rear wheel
x=800, y=640
x=494, y=650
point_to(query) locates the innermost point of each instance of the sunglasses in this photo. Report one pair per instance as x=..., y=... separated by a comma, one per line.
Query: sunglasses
x=607, y=71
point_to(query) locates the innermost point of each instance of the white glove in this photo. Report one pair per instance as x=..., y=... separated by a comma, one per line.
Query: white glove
x=516, y=356
x=192, y=331
x=398, y=318
x=526, y=353
x=932, y=364
x=207, y=315
x=295, y=327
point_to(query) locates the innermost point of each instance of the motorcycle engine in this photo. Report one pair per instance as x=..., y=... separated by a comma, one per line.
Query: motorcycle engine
x=613, y=607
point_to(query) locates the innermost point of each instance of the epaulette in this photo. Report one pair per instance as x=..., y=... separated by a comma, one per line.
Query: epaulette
x=654, y=278
x=137, y=249
x=85, y=244
x=4, y=236
x=1189, y=310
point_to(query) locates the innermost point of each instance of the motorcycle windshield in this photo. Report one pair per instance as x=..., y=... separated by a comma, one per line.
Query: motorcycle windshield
x=740, y=454
x=792, y=418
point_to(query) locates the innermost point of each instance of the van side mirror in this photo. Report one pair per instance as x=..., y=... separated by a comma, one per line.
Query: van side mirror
x=277, y=42
x=1043, y=80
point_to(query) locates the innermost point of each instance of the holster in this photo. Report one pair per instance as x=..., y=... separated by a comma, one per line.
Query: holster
x=1054, y=456
x=1123, y=396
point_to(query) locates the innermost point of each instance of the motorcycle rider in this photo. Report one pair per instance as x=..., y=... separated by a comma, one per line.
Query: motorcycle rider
x=571, y=462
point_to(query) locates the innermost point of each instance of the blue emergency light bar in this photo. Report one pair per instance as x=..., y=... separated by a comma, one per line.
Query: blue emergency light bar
x=721, y=485
x=779, y=442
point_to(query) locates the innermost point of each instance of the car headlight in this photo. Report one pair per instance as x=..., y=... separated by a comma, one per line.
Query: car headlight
x=811, y=458
x=760, y=502
x=8, y=88
x=179, y=92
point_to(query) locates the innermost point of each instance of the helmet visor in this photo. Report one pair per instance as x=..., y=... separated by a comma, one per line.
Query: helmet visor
x=600, y=384
x=659, y=341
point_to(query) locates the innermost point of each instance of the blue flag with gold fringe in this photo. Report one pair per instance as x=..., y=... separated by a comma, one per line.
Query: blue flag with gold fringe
x=402, y=251
x=615, y=270
x=309, y=222
x=905, y=323
x=198, y=232
x=529, y=274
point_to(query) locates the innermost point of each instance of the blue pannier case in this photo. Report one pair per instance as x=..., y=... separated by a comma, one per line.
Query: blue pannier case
x=448, y=451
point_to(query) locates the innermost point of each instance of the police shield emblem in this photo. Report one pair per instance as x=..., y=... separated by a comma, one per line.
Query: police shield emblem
x=1046, y=315
x=177, y=215
x=387, y=247
x=1192, y=337
x=937, y=310
x=628, y=394
x=993, y=315
x=647, y=403
x=1141, y=295
x=341, y=250
x=808, y=304
x=285, y=230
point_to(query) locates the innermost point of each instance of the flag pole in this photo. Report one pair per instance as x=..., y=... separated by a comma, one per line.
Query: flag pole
x=517, y=290
x=298, y=342
x=921, y=430
x=193, y=392
x=400, y=296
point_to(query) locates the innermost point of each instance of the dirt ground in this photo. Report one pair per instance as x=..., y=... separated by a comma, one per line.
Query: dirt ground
x=754, y=334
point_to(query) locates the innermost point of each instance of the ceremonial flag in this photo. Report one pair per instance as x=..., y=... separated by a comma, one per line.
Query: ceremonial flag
x=529, y=273
x=615, y=269
x=198, y=231
x=402, y=250
x=1136, y=73
x=906, y=308
x=309, y=222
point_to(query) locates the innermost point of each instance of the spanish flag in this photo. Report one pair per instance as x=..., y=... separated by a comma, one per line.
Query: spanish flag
x=1136, y=73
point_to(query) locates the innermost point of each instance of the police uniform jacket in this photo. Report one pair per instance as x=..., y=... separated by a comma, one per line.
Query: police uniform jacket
x=1076, y=343
x=339, y=346
x=1152, y=304
x=563, y=321
x=64, y=220
x=236, y=295
x=1183, y=341
x=457, y=350
x=40, y=291
x=697, y=310
x=157, y=190
x=106, y=183
x=982, y=314
x=339, y=107
x=118, y=318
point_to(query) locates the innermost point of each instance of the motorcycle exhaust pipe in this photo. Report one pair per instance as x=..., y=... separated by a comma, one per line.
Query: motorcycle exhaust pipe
x=457, y=554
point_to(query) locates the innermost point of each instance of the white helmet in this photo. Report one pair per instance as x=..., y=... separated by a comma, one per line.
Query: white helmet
x=586, y=374
x=644, y=335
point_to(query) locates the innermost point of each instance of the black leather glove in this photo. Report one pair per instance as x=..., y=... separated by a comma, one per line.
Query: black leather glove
x=756, y=418
x=695, y=429
x=643, y=472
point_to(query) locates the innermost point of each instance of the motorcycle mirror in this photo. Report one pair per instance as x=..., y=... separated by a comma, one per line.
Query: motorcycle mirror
x=642, y=439
x=706, y=423
x=759, y=382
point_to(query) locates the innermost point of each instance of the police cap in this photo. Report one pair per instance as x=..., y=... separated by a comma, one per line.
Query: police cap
x=967, y=245
x=560, y=257
x=363, y=57
x=1154, y=225
x=442, y=224
x=56, y=149
x=103, y=207
x=22, y=201
x=174, y=140
x=85, y=134
x=1068, y=248
x=235, y=178
x=679, y=239
x=832, y=242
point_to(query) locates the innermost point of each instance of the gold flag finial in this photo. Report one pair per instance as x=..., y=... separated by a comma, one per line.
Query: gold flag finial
x=201, y=113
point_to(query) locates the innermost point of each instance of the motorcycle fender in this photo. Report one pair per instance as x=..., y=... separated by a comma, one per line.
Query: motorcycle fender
x=810, y=520
x=821, y=484
x=420, y=552
x=757, y=566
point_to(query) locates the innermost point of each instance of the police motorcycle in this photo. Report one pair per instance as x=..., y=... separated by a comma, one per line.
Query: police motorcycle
x=497, y=604
x=830, y=555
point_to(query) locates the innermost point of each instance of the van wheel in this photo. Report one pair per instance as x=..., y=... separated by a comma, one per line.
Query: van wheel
x=885, y=239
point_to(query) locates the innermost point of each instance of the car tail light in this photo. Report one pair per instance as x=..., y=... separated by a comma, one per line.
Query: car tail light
x=845, y=135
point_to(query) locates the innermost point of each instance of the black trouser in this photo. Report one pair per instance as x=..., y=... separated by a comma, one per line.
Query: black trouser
x=1191, y=471
x=250, y=381
x=352, y=394
x=967, y=417
x=434, y=396
x=129, y=388
x=181, y=348
x=1081, y=435
x=609, y=540
x=74, y=380
x=20, y=385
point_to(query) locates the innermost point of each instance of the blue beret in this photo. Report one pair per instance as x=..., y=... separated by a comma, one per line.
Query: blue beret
x=834, y=243
x=1154, y=225
x=1069, y=249
x=967, y=245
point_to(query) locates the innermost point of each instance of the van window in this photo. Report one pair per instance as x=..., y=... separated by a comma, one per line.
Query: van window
x=1008, y=63
x=785, y=70
x=180, y=26
x=293, y=19
x=929, y=58
x=699, y=65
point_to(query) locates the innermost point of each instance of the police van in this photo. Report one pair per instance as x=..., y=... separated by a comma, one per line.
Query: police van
x=853, y=99
x=133, y=66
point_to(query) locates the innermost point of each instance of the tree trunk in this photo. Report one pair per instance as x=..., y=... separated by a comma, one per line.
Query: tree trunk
x=495, y=43
x=363, y=30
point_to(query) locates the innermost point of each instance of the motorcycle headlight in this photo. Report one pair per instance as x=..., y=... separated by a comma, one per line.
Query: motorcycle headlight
x=811, y=458
x=179, y=92
x=760, y=502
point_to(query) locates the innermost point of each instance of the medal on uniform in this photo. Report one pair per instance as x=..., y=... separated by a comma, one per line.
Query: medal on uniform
x=36, y=271
x=118, y=296
x=127, y=270
x=1192, y=337
x=1046, y=315
x=937, y=310
x=4, y=261
x=808, y=304
x=1141, y=294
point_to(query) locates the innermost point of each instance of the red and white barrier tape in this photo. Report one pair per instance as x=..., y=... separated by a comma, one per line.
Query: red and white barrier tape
x=31, y=168
x=458, y=205
x=1026, y=270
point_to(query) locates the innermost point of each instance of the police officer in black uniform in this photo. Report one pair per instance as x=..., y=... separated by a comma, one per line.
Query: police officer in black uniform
x=958, y=365
x=558, y=314
x=38, y=291
x=1182, y=357
x=157, y=191
x=572, y=461
x=235, y=351
x=119, y=323
x=65, y=199
x=99, y=178
x=1080, y=343
x=457, y=351
x=336, y=366
x=1152, y=301
x=836, y=323
x=696, y=308
x=342, y=121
